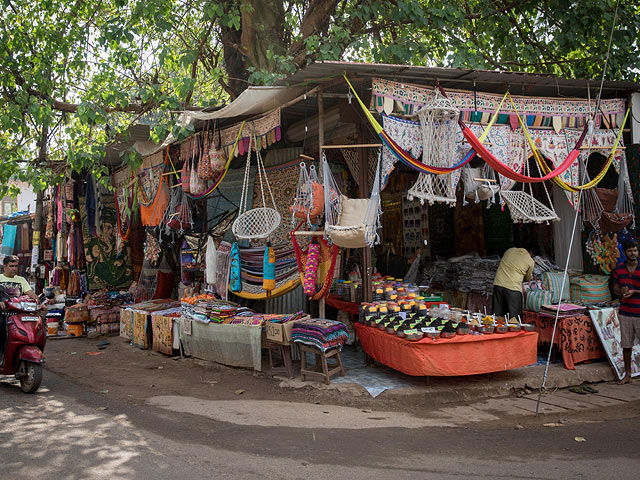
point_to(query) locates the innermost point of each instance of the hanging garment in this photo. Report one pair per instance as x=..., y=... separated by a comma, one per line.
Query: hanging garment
x=90, y=205
x=311, y=270
x=211, y=262
x=9, y=239
x=235, y=279
x=153, y=214
x=327, y=259
x=269, y=268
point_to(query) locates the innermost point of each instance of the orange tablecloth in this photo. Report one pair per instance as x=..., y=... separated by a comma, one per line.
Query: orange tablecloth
x=461, y=355
x=575, y=337
x=339, y=304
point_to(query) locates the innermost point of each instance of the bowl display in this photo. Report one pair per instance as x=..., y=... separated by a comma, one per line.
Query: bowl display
x=514, y=327
x=414, y=337
x=463, y=329
x=502, y=328
x=528, y=327
x=487, y=329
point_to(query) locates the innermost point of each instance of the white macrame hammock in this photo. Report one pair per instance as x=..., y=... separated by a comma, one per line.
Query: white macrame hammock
x=479, y=184
x=438, y=124
x=260, y=222
x=625, y=195
x=525, y=208
x=351, y=222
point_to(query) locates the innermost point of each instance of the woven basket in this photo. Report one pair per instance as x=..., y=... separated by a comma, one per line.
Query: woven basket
x=256, y=223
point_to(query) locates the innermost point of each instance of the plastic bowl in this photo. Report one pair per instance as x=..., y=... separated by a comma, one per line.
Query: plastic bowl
x=486, y=329
x=463, y=329
x=502, y=329
x=528, y=327
x=414, y=337
x=514, y=328
x=447, y=334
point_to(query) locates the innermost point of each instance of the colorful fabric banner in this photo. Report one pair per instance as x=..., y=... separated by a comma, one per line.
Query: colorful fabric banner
x=266, y=129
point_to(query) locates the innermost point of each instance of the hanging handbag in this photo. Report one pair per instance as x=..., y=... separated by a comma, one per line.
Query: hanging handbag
x=185, y=177
x=197, y=185
x=205, y=166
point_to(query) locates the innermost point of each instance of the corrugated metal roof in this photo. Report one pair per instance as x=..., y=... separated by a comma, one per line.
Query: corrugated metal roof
x=534, y=84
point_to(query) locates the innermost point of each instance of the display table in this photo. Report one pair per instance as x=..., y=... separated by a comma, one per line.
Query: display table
x=234, y=345
x=342, y=305
x=461, y=355
x=576, y=337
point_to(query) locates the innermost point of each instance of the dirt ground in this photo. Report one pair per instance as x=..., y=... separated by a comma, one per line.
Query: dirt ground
x=132, y=375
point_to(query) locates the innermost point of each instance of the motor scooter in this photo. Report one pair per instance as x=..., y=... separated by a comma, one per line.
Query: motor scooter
x=23, y=340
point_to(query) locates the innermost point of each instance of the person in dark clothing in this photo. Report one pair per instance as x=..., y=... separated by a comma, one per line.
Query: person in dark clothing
x=388, y=263
x=626, y=284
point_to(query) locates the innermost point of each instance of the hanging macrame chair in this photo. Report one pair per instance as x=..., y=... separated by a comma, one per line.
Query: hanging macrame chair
x=438, y=125
x=479, y=184
x=351, y=222
x=260, y=222
x=309, y=201
x=524, y=207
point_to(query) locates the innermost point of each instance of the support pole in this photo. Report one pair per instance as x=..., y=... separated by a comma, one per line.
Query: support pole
x=363, y=192
x=321, y=305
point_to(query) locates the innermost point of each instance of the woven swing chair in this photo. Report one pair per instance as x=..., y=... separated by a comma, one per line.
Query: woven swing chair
x=438, y=124
x=525, y=208
x=256, y=223
x=351, y=222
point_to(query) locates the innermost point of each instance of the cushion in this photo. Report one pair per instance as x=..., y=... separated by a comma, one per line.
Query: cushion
x=352, y=211
x=348, y=237
x=318, y=204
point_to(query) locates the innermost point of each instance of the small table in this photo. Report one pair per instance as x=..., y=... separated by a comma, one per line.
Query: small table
x=575, y=337
x=321, y=368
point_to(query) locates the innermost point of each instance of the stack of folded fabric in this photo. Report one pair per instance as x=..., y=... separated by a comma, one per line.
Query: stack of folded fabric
x=206, y=308
x=261, y=319
x=320, y=333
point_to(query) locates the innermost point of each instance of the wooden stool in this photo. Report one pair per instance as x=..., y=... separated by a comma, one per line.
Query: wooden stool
x=320, y=368
x=285, y=356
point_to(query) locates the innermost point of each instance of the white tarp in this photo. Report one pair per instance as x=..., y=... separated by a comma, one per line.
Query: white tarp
x=253, y=101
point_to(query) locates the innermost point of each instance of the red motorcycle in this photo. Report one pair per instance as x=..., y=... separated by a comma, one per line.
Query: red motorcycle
x=23, y=339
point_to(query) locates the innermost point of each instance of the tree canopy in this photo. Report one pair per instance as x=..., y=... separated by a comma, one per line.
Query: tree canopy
x=75, y=75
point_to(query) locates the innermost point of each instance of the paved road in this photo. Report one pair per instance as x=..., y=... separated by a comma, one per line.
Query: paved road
x=65, y=432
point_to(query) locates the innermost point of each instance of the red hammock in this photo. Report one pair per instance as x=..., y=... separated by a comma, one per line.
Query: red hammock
x=300, y=253
x=508, y=172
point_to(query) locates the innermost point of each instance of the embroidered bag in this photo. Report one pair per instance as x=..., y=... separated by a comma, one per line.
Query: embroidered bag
x=205, y=166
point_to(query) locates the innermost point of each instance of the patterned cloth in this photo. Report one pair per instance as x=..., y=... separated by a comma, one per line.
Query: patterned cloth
x=320, y=333
x=162, y=327
x=410, y=96
x=105, y=267
x=575, y=336
x=266, y=129
x=283, y=180
x=126, y=323
x=556, y=147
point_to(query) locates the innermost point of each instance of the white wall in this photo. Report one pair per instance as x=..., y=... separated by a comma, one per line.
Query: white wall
x=26, y=199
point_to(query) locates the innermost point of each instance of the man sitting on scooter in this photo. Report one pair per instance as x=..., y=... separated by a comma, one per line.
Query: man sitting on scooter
x=11, y=285
x=14, y=284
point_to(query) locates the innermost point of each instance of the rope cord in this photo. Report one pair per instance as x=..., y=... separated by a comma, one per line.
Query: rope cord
x=573, y=230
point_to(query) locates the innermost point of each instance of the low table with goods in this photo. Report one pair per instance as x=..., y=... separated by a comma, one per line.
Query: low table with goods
x=576, y=337
x=461, y=355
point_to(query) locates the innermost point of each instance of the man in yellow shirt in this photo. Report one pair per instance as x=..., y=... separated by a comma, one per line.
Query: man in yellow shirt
x=516, y=265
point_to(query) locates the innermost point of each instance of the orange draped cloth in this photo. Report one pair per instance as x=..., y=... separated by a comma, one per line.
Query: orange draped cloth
x=461, y=355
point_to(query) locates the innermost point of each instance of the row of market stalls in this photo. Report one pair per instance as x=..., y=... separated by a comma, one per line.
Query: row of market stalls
x=379, y=196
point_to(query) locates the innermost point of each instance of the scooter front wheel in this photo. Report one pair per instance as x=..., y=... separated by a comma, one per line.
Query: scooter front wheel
x=30, y=382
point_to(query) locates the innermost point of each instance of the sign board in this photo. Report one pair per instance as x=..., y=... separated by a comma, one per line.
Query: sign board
x=607, y=325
